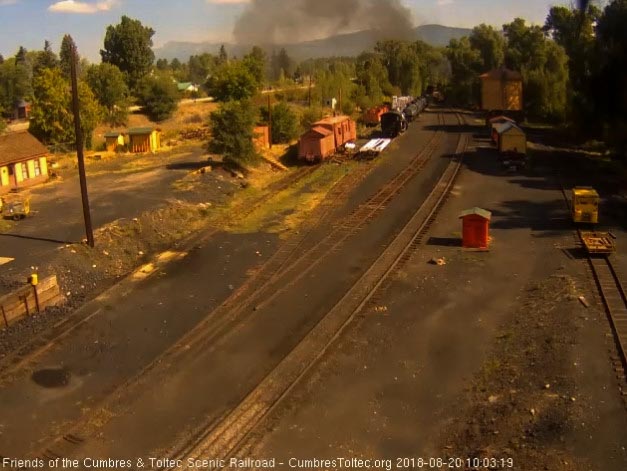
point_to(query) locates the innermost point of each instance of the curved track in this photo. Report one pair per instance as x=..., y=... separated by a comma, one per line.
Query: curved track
x=222, y=439
x=31, y=351
x=296, y=256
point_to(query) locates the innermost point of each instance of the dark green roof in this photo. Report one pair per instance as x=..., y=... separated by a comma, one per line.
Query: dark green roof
x=113, y=134
x=135, y=131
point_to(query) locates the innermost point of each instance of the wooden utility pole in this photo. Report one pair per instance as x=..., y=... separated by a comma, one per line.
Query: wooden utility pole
x=79, y=149
x=340, y=102
x=270, y=121
x=309, y=90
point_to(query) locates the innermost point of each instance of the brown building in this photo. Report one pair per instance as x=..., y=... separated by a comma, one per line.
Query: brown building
x=501, y=89
x=143, y=140
x=22, y=161
x=261, y=137
x=114, y=141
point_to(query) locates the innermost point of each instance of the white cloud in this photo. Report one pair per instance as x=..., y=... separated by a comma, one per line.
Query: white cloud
x=442, y=3
x=7, y=2
x=73, y=6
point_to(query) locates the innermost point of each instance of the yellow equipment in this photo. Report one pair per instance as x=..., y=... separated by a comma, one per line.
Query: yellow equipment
x=15, y=207
x=585, y=205
x=598, y=243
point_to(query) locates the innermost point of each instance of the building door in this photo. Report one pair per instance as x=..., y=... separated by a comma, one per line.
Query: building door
x=12, y=180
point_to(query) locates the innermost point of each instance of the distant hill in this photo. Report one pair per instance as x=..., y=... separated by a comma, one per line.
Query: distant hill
x=350, y=44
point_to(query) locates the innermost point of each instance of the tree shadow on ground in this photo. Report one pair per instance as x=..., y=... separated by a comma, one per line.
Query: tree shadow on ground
x=194, y=165
x=445, y=241
x=546, y=218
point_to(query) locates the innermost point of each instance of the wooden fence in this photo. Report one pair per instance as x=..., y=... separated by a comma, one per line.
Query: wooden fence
x=29, y=300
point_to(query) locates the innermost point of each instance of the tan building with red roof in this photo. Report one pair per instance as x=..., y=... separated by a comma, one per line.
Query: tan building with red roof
x=23, y=161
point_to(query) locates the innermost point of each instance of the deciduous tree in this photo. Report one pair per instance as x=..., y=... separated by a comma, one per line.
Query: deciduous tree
x=128, y=46
x=52, y=120
x=232, y=133
x=284, y=123
x=232, y=81
x=491, y=46
x=256, y=62
x=158, y=96
x=110, y=89
x=465, y=61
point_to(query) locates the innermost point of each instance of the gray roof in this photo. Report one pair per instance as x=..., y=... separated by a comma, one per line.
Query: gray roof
x=476, y=211
x=506, y=127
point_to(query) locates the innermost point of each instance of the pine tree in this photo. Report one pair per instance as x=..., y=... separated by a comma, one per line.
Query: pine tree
x=66, y=54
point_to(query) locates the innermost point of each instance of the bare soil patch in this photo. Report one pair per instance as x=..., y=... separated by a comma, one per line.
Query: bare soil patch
x=524, y=402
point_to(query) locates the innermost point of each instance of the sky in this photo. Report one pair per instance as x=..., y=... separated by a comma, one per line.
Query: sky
x=29, y=22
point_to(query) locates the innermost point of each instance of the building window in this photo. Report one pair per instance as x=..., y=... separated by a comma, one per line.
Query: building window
x=24, y=171
x=36, y=167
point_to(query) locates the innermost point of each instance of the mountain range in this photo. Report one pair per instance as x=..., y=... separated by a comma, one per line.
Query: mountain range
x=350, y=44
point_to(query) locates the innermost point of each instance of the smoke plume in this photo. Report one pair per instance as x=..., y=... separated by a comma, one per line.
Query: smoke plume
x=286, y=21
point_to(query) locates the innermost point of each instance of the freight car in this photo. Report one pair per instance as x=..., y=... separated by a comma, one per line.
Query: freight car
x=413, y=110
x=393, y=123
x=326, y=137
x=399, y=103
x=372, y=117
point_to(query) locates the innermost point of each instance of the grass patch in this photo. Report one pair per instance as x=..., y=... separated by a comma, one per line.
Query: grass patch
x=287, y=209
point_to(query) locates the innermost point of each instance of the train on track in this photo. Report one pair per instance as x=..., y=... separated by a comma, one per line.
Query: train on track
x=338, y=134
x=326, y=138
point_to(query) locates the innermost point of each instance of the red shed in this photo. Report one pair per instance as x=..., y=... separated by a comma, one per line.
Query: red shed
x=476, y=228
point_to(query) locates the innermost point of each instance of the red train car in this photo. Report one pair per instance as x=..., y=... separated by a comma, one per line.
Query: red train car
x=372, y=117
x=326, y=137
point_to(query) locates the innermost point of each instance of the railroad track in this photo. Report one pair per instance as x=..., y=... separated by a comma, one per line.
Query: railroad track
x=614, y=300
x=613, y=296
x=293, y=256
x=31, y=351
x=223, y=438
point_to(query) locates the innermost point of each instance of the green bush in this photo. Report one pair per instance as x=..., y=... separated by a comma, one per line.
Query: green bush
x=310, y=116
x=158, y=96
x=232, y=129
x=284, y=123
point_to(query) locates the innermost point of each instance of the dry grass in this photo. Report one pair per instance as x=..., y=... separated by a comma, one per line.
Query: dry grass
x=187, y=116
x=288, y=209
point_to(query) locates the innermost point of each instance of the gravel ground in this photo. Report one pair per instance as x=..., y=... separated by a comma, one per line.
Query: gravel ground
x=121, y=246
x=524, y=401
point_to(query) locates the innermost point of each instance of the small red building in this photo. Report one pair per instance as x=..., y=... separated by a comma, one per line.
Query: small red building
x=261, y=137
x=476, y=228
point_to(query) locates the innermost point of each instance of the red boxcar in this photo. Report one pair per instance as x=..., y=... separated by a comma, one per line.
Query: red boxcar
x=326, y=137
x=373, y=115
x=316, y=144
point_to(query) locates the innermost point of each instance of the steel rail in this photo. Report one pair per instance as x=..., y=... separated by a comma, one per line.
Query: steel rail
x=221, y=438
x=221, y=318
